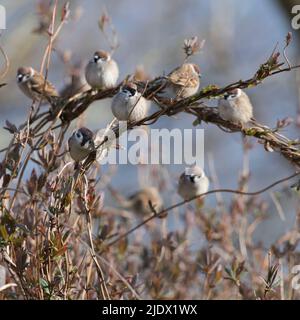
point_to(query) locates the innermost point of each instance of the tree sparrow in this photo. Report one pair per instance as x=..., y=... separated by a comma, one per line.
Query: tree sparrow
x=128, y=104
x=81, y=144
x=184, y=81
x=236, y=107
x=33, y=84
x=102, y=71
x=139, y=201
x=192, y=182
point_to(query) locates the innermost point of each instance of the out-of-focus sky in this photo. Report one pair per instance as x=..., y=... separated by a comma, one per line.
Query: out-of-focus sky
x=240, y=35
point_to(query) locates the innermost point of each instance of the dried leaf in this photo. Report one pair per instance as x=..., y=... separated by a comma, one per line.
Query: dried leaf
x=6, y=180
x=61, y=251
x=103, y=20
x=104, y=232
x=288, y=38
x=22, y=259
x=192, y=45
x=282, y=123
x=65, y=11
x=32, y=183
x=10, y=127
x=4, y=233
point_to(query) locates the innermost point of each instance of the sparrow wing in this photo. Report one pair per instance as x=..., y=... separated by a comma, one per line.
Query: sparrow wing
x=183, y=76
x=38, y=83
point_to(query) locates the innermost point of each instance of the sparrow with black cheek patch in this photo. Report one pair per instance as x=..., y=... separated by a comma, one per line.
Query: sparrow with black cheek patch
x=33, y=85
x=192, y=182
x=128, y=104
x=184, y=81
x=236, y=107
x=102, y=71
x=139, y=201
x=81, y=144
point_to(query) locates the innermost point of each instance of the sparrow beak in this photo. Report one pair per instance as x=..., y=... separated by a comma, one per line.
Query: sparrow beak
x=200, y=75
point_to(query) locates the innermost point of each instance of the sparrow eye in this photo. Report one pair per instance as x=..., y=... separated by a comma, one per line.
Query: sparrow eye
x=78, y=135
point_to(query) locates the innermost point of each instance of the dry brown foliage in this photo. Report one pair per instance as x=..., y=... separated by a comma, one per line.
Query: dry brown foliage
x=58, y=241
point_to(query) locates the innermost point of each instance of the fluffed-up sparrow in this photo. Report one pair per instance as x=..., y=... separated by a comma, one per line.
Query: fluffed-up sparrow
x=81, y=144
x=139, y=201
x=192, y=182
x=236, y=107
x=128, y=104
x=102, y=71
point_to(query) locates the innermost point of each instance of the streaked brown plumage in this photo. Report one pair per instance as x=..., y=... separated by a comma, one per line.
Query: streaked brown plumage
x=139, y=201
x=33, y=85
x=184, y=81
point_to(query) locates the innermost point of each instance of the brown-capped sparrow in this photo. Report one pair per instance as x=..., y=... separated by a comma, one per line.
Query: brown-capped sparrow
x=33, y=85
x=128, y=104
x=184, y=81
x=102, y=71
x=139, y=201
x=192, y=182
x=236, y=107
x=81, y=144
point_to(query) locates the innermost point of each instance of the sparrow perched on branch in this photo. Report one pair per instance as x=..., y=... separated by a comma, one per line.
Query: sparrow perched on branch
x=236, y=107
x=81, y=144
x=140, y=201
x=33, y=84
x=192, y=182
x=184, y=81
x=128, y=104
x=102, y=71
